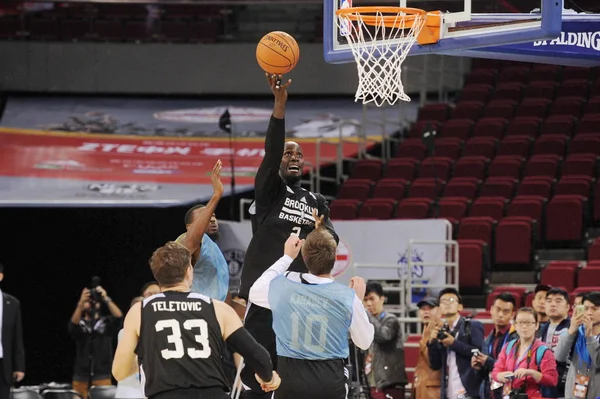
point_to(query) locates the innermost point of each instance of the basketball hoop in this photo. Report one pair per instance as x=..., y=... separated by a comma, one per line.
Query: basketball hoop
x=380, y=39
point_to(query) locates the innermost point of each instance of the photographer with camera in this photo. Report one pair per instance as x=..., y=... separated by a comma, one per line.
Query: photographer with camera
x=525, y=364
x=93, y=335
x=450, y=346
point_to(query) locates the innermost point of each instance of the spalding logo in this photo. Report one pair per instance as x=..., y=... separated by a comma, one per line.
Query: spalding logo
x=278, y=42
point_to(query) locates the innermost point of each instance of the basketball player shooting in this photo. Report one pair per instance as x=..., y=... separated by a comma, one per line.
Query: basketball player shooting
x=312, y=316
x=179, y=337
x=281, y=207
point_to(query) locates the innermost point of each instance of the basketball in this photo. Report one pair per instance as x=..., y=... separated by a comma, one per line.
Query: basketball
x=277, y=52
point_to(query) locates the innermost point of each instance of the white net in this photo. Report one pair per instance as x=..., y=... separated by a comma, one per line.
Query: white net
x=380, y=41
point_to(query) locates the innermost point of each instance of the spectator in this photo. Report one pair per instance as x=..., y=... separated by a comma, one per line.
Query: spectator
x=503, y=311
x=149, y=289
x=557, y=308
x=93, y=335
x=450, y=348
x=578, y=300
x=580, y=346
x=384, y=365
x=427, y=380
x=12, y=350
x=525, y=364
x=539, y=302
x=130, y=387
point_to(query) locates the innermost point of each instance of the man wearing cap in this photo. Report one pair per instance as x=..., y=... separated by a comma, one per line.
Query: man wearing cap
x=427, y=381
x=384, y=364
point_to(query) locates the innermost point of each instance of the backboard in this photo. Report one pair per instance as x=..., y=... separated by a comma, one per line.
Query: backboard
x=465, y=25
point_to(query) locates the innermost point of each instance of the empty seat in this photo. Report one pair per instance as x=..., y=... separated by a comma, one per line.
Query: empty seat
x=480, y=146
x=481, y=76
x=541, y=90
x=558, y=124
x=425, y=187
x=491, y=207
x=471, y=166
x=508, y=91
x=588, y=277
x=436, y=167
x=457, y=128
x=596, y=215
x=571, y=106
x=472, y=263
x=589, y=123
x=536, y=185
x=434, y=112
x=593, y=251
x=574, y=185
x=580, y=165
x=461, y=187
x=477, y=92
x=344, y=209
x=559, y=277
x=585, y=143
x=401, y=168
x=448, y=147
x=544, y=73
x=490, y=127
x=412, y=148
x=498, y=186
x=506, y=166
x=515, y=145
x=533, y=107
x=477, y=228
x=453, y=208
x=367, y=169
x=570, y=73
x=390, y=188
x=529, y=206
x=552, y=144
x=565, y=218
x=355, y=189
x=377, y=208
x=542, y=165
x=515, y=74
x=593, y=105
x=514, y=241
x=500, y=109
x=573, y=88
x=414, y=208
x=524, y=126
x=468, y=110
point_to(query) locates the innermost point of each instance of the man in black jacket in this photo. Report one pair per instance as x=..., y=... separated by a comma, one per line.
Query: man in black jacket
x=281, y=207
x=12, y=362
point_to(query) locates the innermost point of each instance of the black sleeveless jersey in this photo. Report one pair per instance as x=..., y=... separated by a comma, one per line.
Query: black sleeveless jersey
x=279, y=209
x=180, y=343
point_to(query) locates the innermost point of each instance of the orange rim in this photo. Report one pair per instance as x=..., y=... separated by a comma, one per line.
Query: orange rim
x=389, y=21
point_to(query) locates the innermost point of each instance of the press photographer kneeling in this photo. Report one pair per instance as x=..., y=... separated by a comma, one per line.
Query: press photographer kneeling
x=525, y=364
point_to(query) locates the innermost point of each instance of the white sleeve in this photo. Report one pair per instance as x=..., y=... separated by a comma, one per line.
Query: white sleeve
x=259, y=292
x=361, y=329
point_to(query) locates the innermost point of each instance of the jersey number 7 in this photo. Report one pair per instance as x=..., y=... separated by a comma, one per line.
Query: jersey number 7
x=175, y=338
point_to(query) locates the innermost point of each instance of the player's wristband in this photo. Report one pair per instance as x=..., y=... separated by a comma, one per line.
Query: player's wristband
x=254, y=354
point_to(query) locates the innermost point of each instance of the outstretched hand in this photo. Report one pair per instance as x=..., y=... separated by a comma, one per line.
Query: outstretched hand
x=215, y=178
x=278, y=87
x=359, y=286
x=293, y=245
x=319, y=220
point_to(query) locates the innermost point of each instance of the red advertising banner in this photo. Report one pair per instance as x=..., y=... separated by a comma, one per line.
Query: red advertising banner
x=178, y=168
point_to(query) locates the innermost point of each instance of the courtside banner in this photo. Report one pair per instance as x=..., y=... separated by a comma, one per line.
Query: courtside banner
x=45, y=168
x=362, y=243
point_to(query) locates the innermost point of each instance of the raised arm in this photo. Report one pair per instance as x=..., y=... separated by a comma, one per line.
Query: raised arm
x=124, y=362
x=267, y=182
x=193, y=238
x=324, y=211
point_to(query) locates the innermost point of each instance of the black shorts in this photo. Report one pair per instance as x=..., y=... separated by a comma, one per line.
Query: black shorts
x=314, y=379
x=192, y=393
x=259, y=323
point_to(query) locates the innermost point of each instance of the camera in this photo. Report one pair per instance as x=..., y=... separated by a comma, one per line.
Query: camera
x=518, y=393
x=95, y=296
x=475, y=352
x=443, y=331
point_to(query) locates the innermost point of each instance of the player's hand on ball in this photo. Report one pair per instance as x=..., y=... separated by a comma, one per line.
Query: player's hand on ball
x=359, y=286
x=319, y=220
x=215, y=178
x=271, y=385
x=278, y=87
x=292, y=246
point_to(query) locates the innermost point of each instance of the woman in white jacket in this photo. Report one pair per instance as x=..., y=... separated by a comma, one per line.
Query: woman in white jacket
x=130, y=387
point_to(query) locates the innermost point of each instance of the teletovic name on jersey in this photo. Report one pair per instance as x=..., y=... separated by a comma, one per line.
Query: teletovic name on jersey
x=175, y=306
x=298, y=212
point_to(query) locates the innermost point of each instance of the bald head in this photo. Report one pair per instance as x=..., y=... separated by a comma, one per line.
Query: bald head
x=292, y=162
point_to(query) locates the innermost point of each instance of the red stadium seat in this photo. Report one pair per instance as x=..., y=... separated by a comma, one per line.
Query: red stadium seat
x=457, y=128
x=524, y=126
x=489, y=206
x=490, y=127
x=506, y=166
x=344, y=209
x=515, y=145
x=367, y=169
x=565, y=218
x=536, y=185
x=355, y=189
x=377, y=208
x=514, y=241
x=503, y=187
x=434, y=112
x=390, y=188
x=477, y=228
x=414, y=208
x=412, y=148
x=401, y=168
x=471, y=166
x=461, y=187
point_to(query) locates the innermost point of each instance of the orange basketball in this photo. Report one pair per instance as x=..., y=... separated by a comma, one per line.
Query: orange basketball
x=277, y=52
